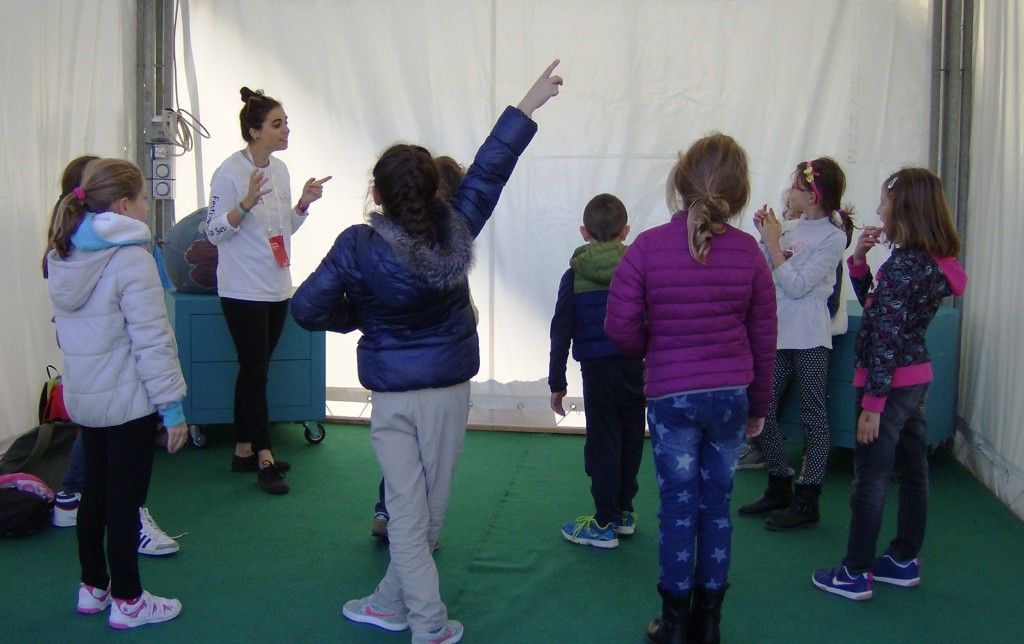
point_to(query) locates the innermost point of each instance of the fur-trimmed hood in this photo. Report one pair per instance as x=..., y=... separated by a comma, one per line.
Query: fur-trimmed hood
x=441, y=264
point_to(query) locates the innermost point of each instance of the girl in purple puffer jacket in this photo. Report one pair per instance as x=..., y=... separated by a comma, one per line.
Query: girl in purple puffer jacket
x=695, y=298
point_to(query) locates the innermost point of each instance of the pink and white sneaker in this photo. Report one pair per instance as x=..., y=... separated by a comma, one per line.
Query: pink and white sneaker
x=144, y=609
x=92, y=600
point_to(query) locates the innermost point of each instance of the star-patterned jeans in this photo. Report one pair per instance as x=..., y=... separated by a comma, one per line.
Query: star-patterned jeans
x=697, y=437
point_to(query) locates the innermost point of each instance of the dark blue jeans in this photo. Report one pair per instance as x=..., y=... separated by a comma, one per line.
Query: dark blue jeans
x=74, y=478
x=902, y=442
x=697, y=438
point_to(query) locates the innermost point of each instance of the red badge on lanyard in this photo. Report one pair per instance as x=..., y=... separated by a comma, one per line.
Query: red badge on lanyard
x=280, y=253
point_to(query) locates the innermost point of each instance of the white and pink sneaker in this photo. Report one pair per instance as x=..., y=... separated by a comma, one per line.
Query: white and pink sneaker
x=144, y=609
x=91, y=599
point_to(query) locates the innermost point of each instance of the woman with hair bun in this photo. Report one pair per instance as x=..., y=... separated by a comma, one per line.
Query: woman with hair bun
x=251, y=220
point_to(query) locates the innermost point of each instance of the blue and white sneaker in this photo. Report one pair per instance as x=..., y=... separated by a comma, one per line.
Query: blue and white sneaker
x=65, y=509
x=898, y=573
x=585, y=531
x=627, y=524
x=839, y=581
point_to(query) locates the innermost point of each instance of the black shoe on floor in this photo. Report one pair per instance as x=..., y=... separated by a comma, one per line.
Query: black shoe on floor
x=250, y=464
x=271, y=479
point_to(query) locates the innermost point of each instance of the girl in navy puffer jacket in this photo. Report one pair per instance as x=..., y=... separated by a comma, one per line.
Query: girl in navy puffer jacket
x=402, y=281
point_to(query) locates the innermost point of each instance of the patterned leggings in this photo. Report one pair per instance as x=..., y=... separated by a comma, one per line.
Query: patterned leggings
x=696, y=438
x=810, y=366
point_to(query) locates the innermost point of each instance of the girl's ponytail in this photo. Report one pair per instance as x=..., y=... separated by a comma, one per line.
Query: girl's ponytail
x=66, y=219
x=103, y=182
x=711, y=182
x=706, y=218
x=845, y=222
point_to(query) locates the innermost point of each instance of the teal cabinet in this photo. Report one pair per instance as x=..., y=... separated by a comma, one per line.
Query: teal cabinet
x=943, y=340
x=296, y=386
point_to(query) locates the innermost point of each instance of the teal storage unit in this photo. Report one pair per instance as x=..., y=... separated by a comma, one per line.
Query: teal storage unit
x=296, y=386
x=943, y=341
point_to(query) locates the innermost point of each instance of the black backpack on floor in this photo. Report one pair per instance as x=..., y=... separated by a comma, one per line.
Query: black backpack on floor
x=21, y=513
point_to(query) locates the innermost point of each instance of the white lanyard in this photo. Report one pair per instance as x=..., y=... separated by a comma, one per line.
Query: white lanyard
x=269, y=174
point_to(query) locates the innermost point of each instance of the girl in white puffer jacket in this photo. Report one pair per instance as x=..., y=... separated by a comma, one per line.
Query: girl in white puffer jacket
x=121, y=375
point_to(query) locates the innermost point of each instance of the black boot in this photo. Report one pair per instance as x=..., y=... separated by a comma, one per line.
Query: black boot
x=671, y=627
x=706, y=615
x=802, y=513
x=777, y=497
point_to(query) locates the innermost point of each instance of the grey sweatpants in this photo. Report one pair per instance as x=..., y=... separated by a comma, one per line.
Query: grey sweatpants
x=418, y=438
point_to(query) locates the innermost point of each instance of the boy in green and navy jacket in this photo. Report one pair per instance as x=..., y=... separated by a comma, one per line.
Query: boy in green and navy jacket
x=612, y=381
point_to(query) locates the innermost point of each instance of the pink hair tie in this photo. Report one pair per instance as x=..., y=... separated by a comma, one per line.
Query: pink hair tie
x=79, y=192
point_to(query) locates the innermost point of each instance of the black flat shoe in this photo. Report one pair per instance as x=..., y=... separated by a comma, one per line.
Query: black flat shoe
x=250, y=464
x=271, y=479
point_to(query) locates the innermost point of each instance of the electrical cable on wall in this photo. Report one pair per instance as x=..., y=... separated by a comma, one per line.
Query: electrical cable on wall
x=178, y=126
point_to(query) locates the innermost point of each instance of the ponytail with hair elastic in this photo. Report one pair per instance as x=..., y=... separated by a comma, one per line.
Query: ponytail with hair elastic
x=104, y=181
x=845, y=222
x=705, y=220
x=711, y=181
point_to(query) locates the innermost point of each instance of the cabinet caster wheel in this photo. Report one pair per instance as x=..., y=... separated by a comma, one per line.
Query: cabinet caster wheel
x=197, y=436
x=315, y=432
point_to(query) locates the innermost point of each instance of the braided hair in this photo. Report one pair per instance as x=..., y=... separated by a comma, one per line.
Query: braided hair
x=406, y=180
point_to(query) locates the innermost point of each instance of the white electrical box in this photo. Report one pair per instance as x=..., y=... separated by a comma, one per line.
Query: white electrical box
x=163, y=171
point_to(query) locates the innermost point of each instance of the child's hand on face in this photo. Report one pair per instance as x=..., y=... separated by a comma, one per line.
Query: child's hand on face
x=869, y=237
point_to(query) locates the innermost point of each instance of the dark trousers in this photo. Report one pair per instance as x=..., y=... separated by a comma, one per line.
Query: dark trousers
x=902, y=442
x=255, y=329
x=118, y=465
x=615, y=407
x=381, y=505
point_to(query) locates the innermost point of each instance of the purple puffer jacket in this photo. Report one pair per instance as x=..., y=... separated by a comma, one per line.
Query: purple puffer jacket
x=698, y=326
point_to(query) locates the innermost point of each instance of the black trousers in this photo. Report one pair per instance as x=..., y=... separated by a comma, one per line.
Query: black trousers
x=613, y=395
x=118, y=465
x=255, y=329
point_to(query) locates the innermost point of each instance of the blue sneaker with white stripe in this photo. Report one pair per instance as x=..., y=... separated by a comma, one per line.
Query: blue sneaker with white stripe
x=585, y=531
x=888, y=570
x=627, y=524
x=840, y=581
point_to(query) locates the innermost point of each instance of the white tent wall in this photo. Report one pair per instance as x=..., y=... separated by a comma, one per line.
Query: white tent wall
x=69, y=89
x=992, y=444
x=790, y=79
x=644, y=78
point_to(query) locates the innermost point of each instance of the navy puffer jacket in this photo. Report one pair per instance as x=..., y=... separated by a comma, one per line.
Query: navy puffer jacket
x=409, y=297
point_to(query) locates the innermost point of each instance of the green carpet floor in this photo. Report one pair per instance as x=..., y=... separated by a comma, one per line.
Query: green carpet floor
x=256, y=568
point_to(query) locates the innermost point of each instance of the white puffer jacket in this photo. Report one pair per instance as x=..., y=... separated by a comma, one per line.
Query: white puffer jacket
x=120, y=356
